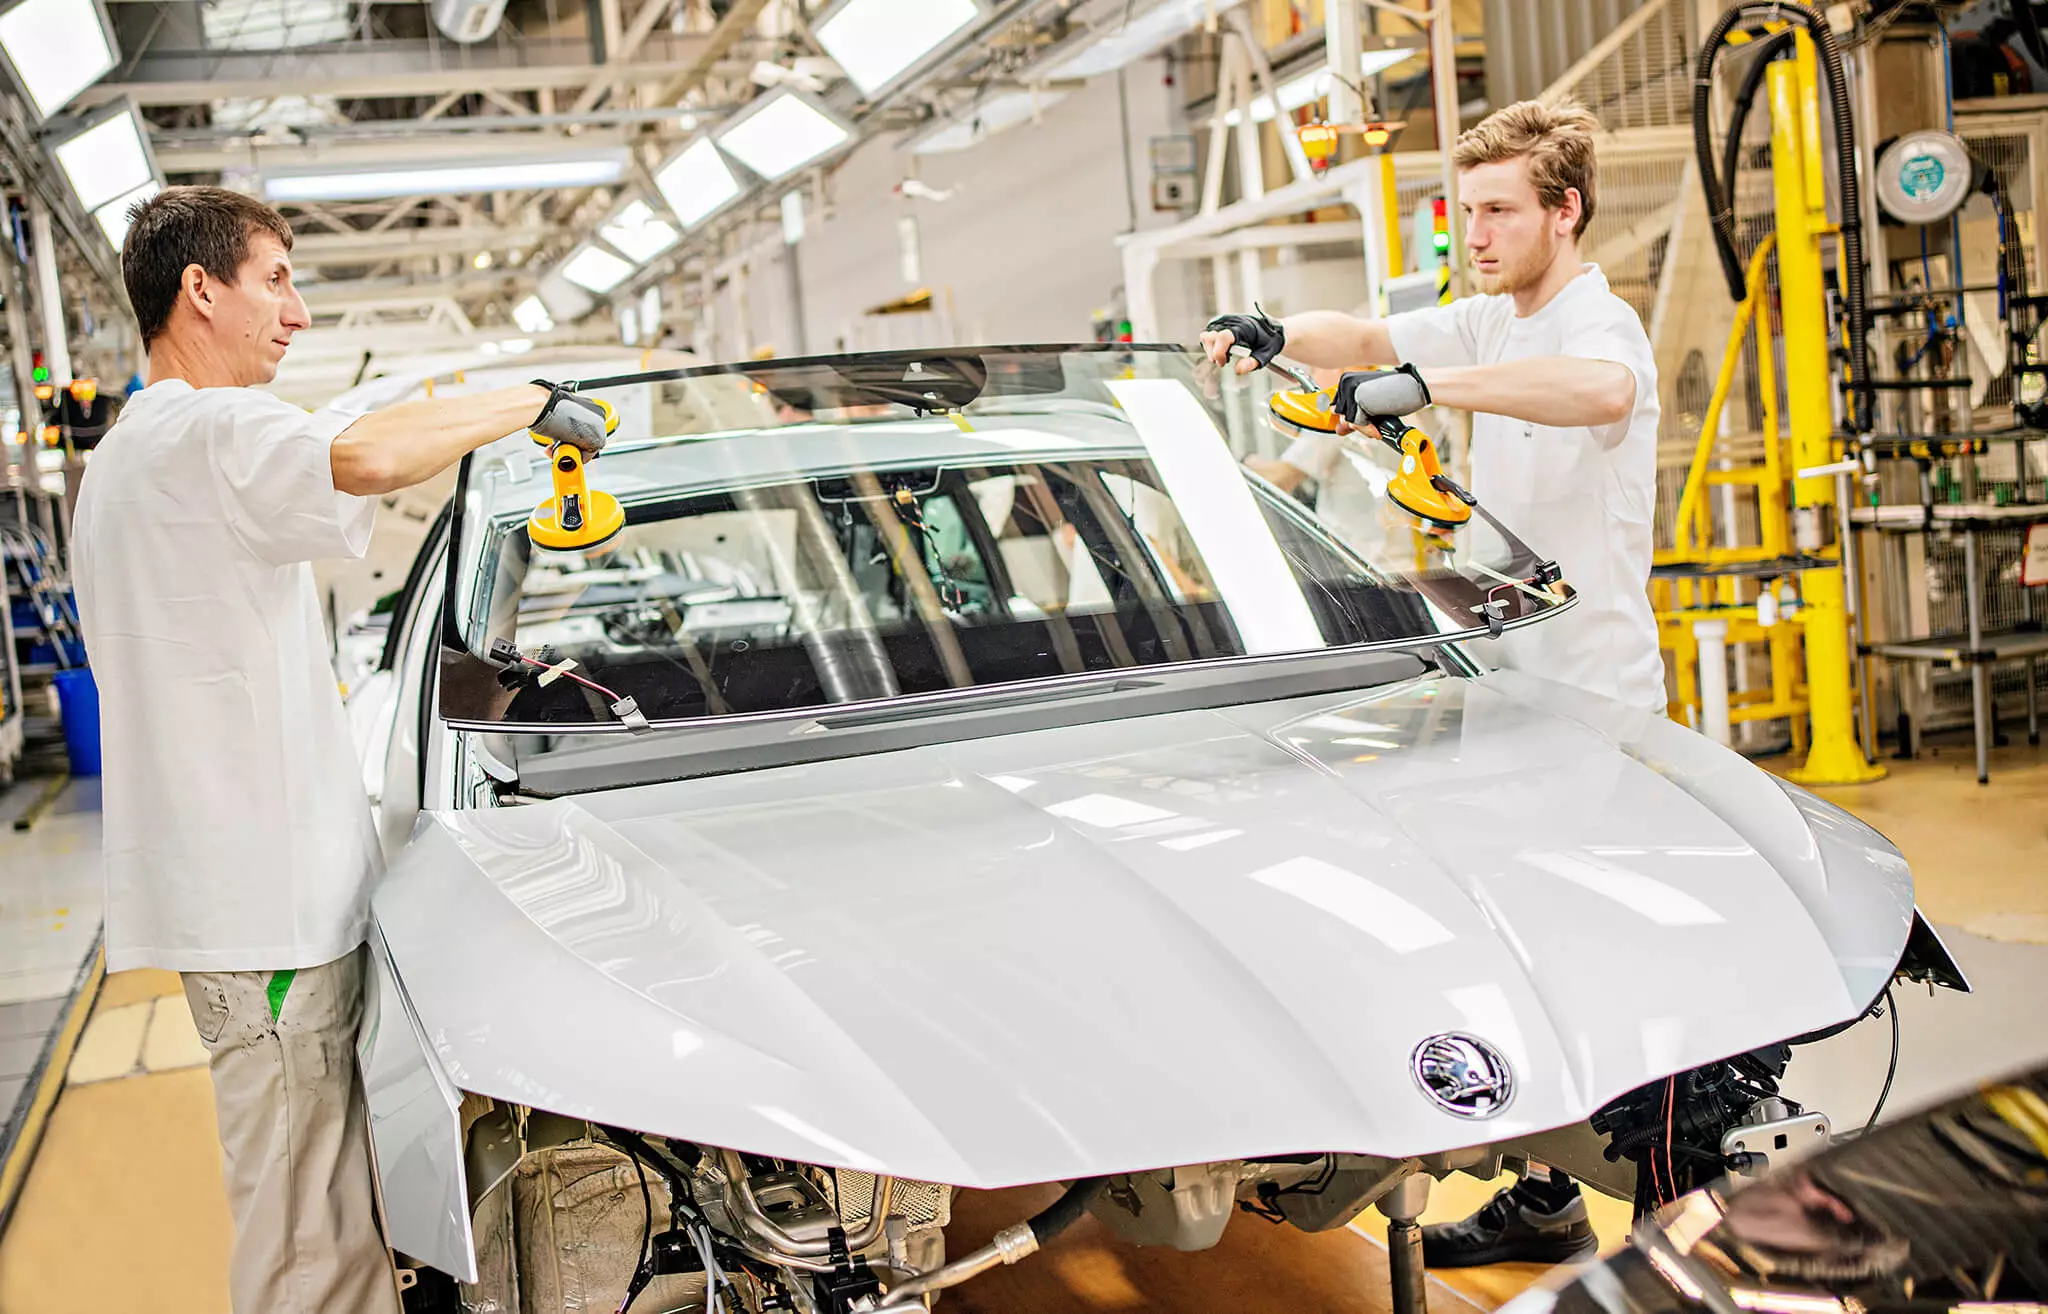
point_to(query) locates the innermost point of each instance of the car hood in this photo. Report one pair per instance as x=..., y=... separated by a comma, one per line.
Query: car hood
x=1145, y=942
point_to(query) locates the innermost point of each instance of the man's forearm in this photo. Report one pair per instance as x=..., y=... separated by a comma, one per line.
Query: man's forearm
x=412, y=442
x=1560, y=391
x=1330, y=339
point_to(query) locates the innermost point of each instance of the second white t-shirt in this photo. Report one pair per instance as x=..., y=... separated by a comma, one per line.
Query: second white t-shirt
x=237, y=833
x=1585, y=497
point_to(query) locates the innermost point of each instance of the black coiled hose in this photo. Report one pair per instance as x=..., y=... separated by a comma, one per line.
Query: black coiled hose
x=1720, y=194
x=1731, y=150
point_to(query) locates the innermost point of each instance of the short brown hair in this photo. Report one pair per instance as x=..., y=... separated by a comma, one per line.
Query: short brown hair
x=184, y=226
x=1555, y=137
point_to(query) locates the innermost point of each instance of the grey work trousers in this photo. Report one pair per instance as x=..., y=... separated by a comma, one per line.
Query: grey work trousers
x=294, y=1138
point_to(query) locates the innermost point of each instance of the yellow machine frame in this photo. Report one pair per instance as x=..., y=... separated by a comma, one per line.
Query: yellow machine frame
x=1823, y=700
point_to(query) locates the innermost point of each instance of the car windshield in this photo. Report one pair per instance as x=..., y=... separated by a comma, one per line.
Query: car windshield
x=904, y=525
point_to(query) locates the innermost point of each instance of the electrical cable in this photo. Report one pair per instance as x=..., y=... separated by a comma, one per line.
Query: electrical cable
x=1891, y=1070
x=571, y=675
x=707, y=1254
x=643, y=1272
x=1669, y=1191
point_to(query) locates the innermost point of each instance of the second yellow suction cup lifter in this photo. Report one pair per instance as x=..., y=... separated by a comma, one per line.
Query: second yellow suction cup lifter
x=577, y=517
x=1420, y=487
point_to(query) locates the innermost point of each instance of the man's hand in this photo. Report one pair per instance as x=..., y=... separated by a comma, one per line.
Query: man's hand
x=1257, y=333
x=569, y=417
x=1362, y=396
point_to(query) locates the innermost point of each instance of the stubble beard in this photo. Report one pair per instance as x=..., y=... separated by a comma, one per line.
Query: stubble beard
x=1514, y=277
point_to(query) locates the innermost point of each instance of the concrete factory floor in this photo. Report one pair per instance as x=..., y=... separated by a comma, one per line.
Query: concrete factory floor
x=129, y=1166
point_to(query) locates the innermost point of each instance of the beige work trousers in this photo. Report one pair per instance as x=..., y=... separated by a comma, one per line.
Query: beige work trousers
x=294, y=1138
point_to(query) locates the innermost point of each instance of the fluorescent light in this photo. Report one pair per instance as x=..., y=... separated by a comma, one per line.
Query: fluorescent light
x=113, y=216
x=531, y=315
x=596, y=270
x=1127, y=41
x=696, y=183
x=447, y=179
x=781, y=133
x=876, y=41
x=107, y=160
x=636, y=231
x=1315, y=84
x=57, y=48
x=985, y=119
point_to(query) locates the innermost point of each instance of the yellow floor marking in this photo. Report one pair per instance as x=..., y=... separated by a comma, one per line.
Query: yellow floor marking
x=14, y=1172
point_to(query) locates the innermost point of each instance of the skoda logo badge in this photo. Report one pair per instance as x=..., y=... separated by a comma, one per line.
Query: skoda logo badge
x=1463, y=1074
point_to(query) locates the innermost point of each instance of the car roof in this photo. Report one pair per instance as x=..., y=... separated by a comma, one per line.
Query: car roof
x=1057, y=428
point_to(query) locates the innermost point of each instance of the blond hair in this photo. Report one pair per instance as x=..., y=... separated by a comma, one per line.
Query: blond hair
x=1555, y=137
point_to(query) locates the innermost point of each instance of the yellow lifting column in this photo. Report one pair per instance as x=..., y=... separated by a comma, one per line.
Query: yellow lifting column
x=1800, y=183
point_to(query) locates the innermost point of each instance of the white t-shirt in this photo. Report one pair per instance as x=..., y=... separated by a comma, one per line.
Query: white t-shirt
x=1585, y=497
x=238, y=836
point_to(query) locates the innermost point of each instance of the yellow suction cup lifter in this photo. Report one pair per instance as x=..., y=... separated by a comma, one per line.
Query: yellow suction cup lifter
x=578, y=517
x=1420, y=487
x=1311, y=410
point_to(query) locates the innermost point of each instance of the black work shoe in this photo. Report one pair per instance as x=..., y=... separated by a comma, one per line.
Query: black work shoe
x=1510, y=1229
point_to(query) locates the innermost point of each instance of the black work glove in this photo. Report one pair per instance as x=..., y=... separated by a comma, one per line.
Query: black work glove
x=1258, y=333
x=1362, y=395
x=570, y=417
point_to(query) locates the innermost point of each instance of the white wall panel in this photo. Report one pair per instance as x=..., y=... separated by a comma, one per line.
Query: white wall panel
x=1024, y=251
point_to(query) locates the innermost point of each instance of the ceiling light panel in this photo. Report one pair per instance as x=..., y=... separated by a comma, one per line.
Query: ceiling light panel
x=781, y=133
x=563, y=300
x=639, y=232
x=108, y=159
x=57, y=49
x=113, y=216
x=595, y=269
x=991, y=116
x=275, y=24
x=877, y=41
x=1122, y=42
x=696, y=183
x=450, y=179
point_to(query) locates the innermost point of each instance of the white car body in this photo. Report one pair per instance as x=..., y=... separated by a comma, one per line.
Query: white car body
x=1049, y=949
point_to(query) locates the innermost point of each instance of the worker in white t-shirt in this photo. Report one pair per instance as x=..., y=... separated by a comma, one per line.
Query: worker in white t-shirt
x=1560, y=379
x=239, y=849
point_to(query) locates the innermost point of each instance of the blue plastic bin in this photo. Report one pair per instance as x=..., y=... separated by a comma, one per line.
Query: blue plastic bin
x=78, y=702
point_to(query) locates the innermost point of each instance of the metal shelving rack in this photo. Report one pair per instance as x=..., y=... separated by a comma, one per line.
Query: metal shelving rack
x=1985, y=639
x=29, y=572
